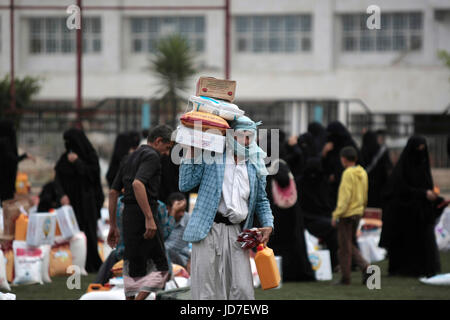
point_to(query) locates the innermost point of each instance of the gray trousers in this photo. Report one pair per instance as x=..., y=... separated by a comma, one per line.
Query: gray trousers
x=220, y=269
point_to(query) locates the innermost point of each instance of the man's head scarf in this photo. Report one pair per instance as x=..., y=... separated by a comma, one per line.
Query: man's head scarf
x=252, y=152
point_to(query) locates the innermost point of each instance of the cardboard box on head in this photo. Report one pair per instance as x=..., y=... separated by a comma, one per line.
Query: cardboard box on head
x=216, y=88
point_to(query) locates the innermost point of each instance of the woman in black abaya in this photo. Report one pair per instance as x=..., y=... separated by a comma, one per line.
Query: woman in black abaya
x=410, y=214
x=319, y=135
x=78, y=178
x=315, y=206
x=9, y=160
x=307, y=145
x=338, y=138
x=125, y=142
x=378, y=165
x=289, y=240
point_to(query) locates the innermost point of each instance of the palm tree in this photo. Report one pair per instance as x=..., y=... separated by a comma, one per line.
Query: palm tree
x=173, y=64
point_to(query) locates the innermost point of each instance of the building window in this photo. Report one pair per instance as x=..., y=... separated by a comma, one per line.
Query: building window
x=146, y=32
x=399, y=32
x=51, y=36
x=274, y=34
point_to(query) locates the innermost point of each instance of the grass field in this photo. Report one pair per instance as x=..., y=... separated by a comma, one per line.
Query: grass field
x=391, y=288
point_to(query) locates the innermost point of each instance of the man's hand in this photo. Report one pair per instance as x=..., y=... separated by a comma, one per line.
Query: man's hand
x=333, y=223
x=72, y=157
x=265, y=232
x=31, y=157
x=293, y=140
x=431, y=196
x=64, y=200
x=150, y=228
x=327, y=148
x=113, y=236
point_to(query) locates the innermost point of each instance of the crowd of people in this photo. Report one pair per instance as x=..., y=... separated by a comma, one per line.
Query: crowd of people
x=323, y=184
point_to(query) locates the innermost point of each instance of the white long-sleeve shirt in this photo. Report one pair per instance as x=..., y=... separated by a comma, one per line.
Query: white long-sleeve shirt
x=235, y=190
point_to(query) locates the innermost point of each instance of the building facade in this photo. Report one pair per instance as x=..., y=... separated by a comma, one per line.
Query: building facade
x=294, y=61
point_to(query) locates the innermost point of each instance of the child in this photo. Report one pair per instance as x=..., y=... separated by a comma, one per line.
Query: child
x=352, y=199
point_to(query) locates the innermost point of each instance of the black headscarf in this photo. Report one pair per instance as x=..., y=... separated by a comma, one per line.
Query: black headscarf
x=412, y=169
x=9, y=160
x=124, y=142
x=319, y=134
x=369, y=148
x=307, y=144
x=8, y=135
x=75, y=140
x=339, y=135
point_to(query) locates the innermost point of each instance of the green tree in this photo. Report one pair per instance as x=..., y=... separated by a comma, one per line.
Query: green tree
x=173, y=65
x=445, y=57
x=26, y=89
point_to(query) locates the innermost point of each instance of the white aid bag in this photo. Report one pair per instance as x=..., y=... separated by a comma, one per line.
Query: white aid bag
x=27, y=263
x=41, y=229
x=321, y=264
x=78, y=248
x=67, y=221
x=442, y=231
x=46, y=263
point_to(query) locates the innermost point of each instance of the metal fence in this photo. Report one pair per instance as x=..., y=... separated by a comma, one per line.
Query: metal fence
x=43, y=123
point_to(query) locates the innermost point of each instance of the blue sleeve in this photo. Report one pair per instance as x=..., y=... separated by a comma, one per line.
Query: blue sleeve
x=166, y=222
x=262, y=207
x=190, y=175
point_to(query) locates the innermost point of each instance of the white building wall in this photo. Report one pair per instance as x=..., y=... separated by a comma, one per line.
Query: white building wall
x=386, y=82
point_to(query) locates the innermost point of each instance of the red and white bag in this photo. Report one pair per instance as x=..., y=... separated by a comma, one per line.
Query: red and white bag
x=27, y=263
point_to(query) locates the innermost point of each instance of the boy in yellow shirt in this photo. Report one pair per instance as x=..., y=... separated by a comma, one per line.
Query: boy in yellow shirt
x=352, y=199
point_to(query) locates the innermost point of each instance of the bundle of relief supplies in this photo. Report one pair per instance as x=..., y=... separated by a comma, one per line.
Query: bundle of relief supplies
x=205, y=126
x=38, y=245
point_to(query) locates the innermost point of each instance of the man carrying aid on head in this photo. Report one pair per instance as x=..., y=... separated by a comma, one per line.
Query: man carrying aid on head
x=231, y=192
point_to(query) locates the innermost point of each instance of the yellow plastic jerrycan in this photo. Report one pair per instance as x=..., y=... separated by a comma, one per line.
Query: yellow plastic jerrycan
x=21, y=228
x=22, y=183
x=267, y=268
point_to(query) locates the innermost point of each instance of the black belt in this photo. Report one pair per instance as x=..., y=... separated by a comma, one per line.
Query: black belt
x=219, y=218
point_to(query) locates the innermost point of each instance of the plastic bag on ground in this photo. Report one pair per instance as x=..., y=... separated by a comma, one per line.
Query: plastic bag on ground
x=442, y=231
x=7, y=296
x=438, y=280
